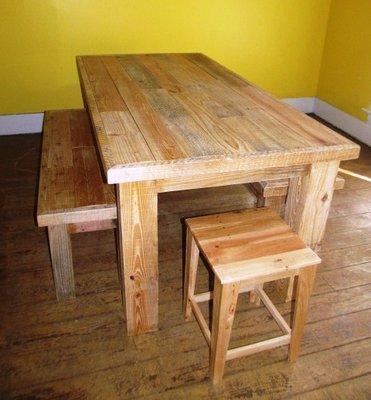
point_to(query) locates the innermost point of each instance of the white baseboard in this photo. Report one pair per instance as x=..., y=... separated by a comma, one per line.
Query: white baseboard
x=303, y=104
x=358, y=129
x=367, y=110
x=21, y=123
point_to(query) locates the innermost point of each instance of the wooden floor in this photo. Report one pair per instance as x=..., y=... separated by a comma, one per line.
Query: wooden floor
x=79, y=350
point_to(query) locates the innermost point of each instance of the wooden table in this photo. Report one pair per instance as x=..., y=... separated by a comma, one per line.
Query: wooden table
x=166, y=122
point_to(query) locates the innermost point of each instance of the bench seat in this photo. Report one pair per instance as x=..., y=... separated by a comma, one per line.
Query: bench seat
x=72, y=195
x=280, y=187
x=71, y=187
x=273, y=193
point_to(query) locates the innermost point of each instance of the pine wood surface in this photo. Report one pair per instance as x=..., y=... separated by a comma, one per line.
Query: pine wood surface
x=224, y=306
x=71, y=187
x=168, y=115
x=252, y=245
x=304, y=290
x=228, y=238
x=79, y=349
x=137, y=225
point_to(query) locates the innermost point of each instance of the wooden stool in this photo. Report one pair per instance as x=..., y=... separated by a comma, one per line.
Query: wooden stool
x=245, y=250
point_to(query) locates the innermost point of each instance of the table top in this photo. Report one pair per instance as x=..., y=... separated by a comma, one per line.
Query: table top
x=158, y=116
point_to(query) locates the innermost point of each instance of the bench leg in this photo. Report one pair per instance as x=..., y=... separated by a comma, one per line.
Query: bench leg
x=303, y=291
x=224, y=307
x=276, y=203
x=190, y=273
x=253, y=296
x=61, y=256
x=260, y=200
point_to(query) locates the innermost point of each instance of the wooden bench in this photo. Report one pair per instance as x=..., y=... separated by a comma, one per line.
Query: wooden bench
x=273, y=193
x=72, y=195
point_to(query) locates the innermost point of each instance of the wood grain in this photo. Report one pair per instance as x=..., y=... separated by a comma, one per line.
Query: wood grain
x=71, y=187
x=309, y=200
x=308, y=205
x=278, y=188
x=303, y=292
x=227, y=178
x=79, y=349
x=138, y=247
x=190, y=273
x=61, y=255
x=250, y=349
x=224, y=307
x=235, y=244
x=164, y=115
x=92, y=226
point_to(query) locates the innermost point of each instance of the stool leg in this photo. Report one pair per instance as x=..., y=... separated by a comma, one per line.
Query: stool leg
x=224, y=307
x=303, y=291
x=290, y=289
x=61, y=255
x=276, y=203
x=191, y=263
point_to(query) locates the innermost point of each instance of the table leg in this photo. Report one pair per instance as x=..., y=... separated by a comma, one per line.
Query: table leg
x=308, y=204
x=308, y=201
x=138, y=248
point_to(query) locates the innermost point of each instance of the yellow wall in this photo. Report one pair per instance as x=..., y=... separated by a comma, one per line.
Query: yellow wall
x=345, y=78
x=275, y=43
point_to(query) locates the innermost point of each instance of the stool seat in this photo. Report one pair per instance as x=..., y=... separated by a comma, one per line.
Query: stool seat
x=250, y=244
x=245, y=249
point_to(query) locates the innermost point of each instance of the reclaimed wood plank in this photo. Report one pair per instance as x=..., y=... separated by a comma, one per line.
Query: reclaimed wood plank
x=137, y=219
x=180, y=106
x=309, y=200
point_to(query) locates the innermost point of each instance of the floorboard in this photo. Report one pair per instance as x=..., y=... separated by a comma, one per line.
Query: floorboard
x=78, y=349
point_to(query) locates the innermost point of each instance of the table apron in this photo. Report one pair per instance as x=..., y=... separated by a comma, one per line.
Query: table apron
x=200, y=181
